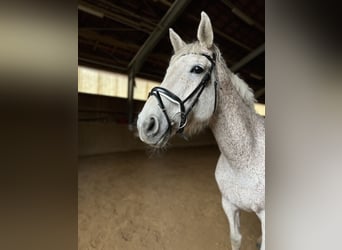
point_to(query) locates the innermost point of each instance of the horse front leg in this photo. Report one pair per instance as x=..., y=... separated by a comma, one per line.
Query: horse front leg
x=233, y=216
x=261, y=216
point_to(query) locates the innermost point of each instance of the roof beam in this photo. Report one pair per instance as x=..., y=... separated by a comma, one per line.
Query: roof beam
x=137, y=25
x=243, y=16
x=259, y=93
x=96, y=61
x=159, y=31
x=109, y=40
x=118, y=9
x=248, y=58
x=225, y=36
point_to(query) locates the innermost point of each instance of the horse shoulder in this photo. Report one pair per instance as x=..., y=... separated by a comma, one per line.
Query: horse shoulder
x=241, y=188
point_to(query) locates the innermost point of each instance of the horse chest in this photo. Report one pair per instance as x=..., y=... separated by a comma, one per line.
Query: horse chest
x=245, y=189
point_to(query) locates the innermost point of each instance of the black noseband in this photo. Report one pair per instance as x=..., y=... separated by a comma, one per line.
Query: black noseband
x=160, y=91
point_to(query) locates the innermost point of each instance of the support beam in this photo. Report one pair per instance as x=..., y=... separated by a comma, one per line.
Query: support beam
x=137, y=25
x=225, y=36
x=99, y=63
x=131, y=84
x=259, y=93
x=93, y=61
x=159, y=31
x=109, y=40
x=248, y=58
x=243, y=16
x=90, y=11
x=171, y=15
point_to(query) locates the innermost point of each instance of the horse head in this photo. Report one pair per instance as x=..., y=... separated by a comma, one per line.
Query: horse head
x=186, y=98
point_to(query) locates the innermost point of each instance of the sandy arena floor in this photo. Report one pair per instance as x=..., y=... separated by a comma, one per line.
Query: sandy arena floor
x=130, y=201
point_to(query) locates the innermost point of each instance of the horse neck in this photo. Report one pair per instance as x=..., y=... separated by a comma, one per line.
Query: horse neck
x=233, y=126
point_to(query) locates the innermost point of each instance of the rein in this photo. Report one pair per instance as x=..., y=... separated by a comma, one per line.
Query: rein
x=160, y=91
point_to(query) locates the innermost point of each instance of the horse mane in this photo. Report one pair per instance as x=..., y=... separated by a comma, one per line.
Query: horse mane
x=245, y=92
x=243, y=89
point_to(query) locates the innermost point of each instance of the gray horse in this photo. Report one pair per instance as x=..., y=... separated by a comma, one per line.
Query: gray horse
x=198, y=91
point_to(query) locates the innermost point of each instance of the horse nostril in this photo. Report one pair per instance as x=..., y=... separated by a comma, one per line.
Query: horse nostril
x=151, y=126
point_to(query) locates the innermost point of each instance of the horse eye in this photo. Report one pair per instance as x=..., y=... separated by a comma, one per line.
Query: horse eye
x=197, y=69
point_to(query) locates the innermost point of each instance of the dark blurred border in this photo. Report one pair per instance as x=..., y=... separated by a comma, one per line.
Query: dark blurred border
x=303, y=125
x=38, y=103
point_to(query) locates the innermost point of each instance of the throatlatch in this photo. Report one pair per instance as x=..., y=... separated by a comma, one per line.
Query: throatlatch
x=160, y=91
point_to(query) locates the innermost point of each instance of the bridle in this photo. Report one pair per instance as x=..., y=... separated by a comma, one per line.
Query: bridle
x=160, y=91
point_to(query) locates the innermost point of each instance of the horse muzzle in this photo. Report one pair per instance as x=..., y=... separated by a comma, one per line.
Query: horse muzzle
x=153, y=129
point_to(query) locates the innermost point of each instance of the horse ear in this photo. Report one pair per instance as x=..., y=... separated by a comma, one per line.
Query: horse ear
x=205, y=33
x=176, y=41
